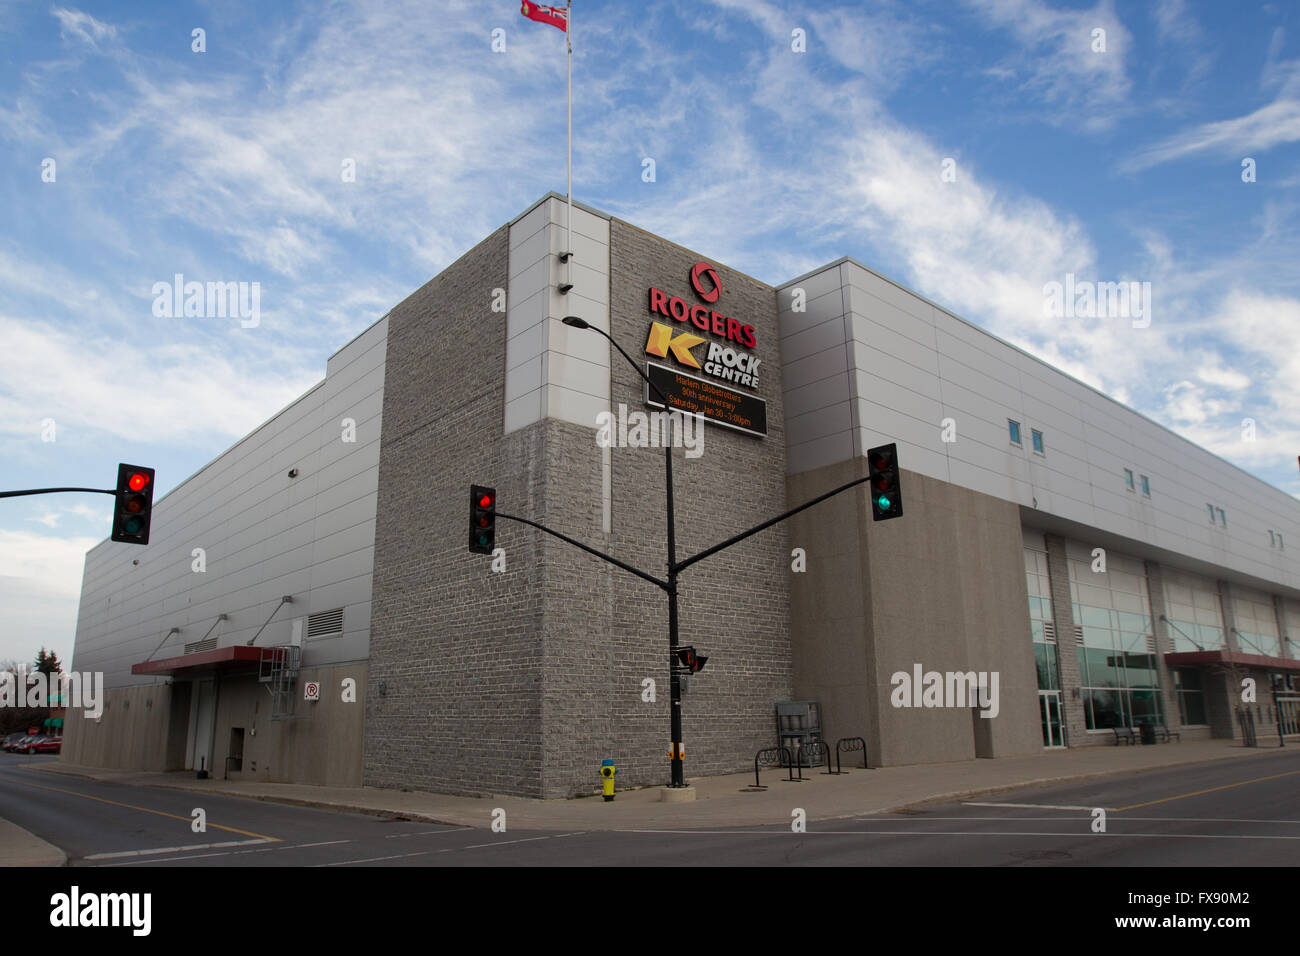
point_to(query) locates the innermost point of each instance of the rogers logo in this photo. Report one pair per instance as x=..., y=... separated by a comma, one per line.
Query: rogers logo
x=701, y=271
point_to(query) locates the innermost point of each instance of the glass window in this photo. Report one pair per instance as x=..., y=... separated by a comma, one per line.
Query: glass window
x=1128, y=479
x=1045, y=659
x=1211, y=507
x=1223, y=519
x=1146, y=486
x=1038, y=440
x=1191, y=697
x=1280, y=545
x=1014, y=428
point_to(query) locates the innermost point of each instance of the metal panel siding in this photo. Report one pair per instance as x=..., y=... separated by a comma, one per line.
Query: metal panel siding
x=259, y=530
x=1089, y=439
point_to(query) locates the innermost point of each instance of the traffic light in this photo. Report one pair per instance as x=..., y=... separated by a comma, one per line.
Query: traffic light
x=886, y=495
x=482, y=519
x=132, y=504
x=693, y=662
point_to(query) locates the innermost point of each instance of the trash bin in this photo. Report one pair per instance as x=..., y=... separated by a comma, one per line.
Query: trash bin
x=1148, y=732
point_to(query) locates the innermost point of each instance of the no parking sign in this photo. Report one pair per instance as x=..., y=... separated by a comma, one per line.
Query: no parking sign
x=311, y=691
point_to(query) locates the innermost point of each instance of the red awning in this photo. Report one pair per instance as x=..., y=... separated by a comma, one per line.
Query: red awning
x=1262, y=661
x=221, y=657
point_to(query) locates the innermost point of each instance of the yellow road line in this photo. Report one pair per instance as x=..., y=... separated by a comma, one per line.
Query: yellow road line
x=1197, y=793
x=215, y=826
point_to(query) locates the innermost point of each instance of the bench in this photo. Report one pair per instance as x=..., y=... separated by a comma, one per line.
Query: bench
x=1124, y=735
x=1164, y=731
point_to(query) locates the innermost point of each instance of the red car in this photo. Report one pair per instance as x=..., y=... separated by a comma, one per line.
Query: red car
x=44, y=745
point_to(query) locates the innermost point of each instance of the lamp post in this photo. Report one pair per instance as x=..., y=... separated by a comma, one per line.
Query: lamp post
x=675, y=712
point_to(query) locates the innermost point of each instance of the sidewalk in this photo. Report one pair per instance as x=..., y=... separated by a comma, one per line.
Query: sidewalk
x=719, y=801
x=20, y=848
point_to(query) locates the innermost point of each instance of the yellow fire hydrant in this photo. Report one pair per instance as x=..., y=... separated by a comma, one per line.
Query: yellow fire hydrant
x=607, y=771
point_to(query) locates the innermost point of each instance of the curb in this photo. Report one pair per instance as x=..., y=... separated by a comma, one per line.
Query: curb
x=948, y=796
x=19, y=847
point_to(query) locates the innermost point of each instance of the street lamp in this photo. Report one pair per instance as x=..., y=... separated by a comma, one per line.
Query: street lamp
x=675, y=711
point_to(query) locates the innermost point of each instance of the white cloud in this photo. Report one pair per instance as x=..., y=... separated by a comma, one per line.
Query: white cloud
x=1056, y=60
x=82, y=26
x=48, y=565
x=1262, y=129
x=167, y=393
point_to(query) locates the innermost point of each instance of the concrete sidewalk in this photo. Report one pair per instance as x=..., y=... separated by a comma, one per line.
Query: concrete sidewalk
x=720, y=801
x=20, y=848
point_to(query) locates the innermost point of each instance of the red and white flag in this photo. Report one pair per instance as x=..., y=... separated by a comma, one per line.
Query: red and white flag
x=555, y=16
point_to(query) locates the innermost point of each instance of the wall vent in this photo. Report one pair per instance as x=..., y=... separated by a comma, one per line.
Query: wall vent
x=325, y=624
x=208, y=644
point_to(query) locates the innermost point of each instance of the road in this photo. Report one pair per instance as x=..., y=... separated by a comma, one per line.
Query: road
x=1225, y=813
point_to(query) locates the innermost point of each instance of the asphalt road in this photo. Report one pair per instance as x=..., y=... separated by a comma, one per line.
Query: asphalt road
x=1225, y=813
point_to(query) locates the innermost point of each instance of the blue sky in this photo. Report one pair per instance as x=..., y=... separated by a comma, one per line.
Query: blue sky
x=226, y=165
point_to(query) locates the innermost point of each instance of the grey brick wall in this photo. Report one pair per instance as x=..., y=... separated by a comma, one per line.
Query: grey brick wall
x=523, y=682
x=454, y=699
x=606, y=630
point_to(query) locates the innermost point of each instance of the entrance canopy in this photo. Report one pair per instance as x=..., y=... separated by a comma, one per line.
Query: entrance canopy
x=238, y=655
x=1261, y=661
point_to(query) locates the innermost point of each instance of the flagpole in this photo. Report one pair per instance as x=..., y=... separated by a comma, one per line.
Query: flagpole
x=568, y=42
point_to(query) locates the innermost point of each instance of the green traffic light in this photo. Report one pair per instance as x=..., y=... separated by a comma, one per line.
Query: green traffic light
x=883, y=503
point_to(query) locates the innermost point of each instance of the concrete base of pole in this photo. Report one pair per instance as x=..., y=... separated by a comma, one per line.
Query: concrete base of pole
x=677, y=794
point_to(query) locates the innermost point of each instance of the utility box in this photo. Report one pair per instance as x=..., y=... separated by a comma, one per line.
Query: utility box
x=798, y=724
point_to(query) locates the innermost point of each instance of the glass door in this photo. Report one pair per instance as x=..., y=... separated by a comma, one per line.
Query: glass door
x=1049, y=702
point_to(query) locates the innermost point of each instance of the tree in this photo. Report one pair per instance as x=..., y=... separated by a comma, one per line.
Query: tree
x=48, y=663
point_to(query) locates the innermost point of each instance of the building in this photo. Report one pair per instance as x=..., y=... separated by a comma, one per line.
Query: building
x=1088, y=567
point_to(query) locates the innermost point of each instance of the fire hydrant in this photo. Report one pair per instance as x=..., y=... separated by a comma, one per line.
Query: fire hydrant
x=607, y=771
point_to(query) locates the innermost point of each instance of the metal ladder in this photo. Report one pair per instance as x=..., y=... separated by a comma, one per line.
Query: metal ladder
x=278, y=671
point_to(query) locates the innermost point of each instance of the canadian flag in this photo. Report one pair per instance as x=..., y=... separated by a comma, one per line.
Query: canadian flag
x=555, y=16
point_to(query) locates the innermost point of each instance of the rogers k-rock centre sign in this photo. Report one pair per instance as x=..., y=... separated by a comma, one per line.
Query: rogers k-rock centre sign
x=726, y=342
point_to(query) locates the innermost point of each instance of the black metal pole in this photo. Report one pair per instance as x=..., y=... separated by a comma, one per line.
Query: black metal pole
x=678, y=776
x=50, y=491
x=678, y=768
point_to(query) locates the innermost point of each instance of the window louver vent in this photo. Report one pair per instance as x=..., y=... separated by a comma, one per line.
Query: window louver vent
x=325, y=623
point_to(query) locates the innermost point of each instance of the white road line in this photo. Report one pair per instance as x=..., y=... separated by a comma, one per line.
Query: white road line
x=373, y=859
x=1126, y=819
x=303, y=846
x=1033, y=806
x=1009, y=833
x=166, y=859
x=479, y=846
x=172, y=849
x=405, y=836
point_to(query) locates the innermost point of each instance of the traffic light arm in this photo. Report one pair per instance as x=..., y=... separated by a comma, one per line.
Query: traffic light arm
x=48, y=491
x=578, y=544
x=767, y=524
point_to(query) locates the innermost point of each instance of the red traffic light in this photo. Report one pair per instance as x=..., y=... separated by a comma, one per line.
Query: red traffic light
x=482, y=519
x=133, y=504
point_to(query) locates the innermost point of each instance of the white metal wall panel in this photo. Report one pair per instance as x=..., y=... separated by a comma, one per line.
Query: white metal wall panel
x=265, y=535
x=933, y=366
